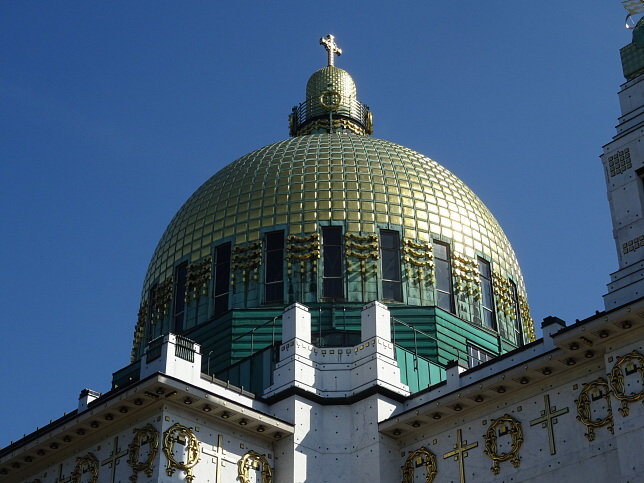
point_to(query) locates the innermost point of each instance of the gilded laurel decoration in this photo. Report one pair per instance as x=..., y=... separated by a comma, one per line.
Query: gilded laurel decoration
x=362, y=248
x=331, y=100
x=86, y=464
x=303, y=250
x=139, y=328
x=199, y=274
x=592, y=392
x=183, y=435
x=419, y=260
x=502, y=426
x=255, y=461
x=160, y=299
x=503, y=296
x=147, y=435
x=416, y=459
x=246, y=258
x=466, y=276
x=625, y=366
x=526, y=318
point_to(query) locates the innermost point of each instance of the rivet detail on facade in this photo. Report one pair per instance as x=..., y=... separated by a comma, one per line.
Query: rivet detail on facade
x=506, y=424
x=420, y=457
x=147, y=435
x=178, y=433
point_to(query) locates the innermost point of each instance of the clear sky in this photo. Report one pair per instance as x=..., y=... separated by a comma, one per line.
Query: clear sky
x=113, y=113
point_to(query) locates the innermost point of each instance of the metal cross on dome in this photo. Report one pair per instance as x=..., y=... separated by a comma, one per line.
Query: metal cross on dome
x=331, y=47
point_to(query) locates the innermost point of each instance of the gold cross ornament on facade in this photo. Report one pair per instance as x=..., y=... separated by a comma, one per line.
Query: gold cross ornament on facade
x=331, y=47
x=460, y=453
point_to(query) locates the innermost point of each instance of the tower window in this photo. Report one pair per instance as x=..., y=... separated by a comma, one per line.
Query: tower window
x=274, y=274
x=518, y=327
x=390, y=257
x=332, y=251
x=178, y=316
x=487, y=296
x=476, y=356
x=222, y=278
x=443, y=275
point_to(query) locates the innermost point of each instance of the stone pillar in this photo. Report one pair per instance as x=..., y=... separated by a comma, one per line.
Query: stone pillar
x=296, y=323
x=375, y=321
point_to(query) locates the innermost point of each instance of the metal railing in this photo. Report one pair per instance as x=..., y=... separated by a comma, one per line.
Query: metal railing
x=255, y=329
x=460, y=354
x=185, y=349
x=312, y=108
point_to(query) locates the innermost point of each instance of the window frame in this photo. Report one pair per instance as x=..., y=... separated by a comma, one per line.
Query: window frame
x=448, y=263
x=221, y=299
x=394, y=253
x=327, y=279
x=179, y=298
x=269, y=253
x=486, y=282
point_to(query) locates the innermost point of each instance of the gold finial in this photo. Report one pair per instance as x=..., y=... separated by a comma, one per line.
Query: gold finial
x=331, y=47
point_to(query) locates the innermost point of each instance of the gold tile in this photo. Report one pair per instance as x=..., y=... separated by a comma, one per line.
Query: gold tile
x=337, y=204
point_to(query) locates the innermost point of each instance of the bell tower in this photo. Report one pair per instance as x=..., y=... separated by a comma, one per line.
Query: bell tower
x=623, y=160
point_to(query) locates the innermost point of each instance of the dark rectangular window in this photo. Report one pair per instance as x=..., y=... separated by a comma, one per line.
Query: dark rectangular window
x=178, y=316
x=274, y=273
x=443, y=275
x=332, y=280
x=518, y=325
x=390, y=258
x=487, y=296
x=476, y=356
x=222, y=278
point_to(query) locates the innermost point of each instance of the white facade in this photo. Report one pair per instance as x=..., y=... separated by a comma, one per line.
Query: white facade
x=623, y=160
x=572, y=404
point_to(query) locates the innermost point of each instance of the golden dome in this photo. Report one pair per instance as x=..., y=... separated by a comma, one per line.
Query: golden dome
x=359, y=182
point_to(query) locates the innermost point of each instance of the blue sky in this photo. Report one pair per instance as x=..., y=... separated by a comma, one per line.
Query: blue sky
x=113, y=113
